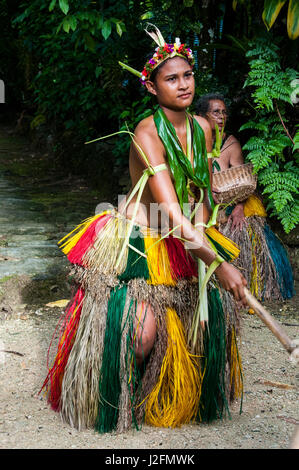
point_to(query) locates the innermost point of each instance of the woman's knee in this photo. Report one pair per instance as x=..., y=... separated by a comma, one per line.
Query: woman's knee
x=145, y=331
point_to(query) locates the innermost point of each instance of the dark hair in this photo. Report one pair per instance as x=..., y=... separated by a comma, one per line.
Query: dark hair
x=203, y=104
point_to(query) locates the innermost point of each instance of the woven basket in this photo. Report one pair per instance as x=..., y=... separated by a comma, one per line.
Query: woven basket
x=235, y=184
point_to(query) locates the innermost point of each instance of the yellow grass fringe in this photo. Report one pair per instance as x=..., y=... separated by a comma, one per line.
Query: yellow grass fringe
x=227, y=244
x=158, y=261
x=255, y=281
x=78, y=231
x=175, y=398
x=236, y=382
x=253, y=206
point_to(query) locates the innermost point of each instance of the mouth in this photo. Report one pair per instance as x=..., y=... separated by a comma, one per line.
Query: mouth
x=184, y=96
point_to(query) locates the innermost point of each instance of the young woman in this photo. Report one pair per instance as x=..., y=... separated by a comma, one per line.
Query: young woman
x=267, y=268
x=140, y=341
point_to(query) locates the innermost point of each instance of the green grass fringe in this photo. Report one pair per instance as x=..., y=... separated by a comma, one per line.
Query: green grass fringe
x=213, y=397
x=109, y=383
x=136, y=265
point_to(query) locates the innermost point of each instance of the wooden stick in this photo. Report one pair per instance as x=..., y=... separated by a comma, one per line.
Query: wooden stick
x=276, y=384
x=291, y=346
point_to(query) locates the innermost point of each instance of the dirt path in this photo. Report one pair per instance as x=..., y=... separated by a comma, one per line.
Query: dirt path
x=268, y=420
x=270, y=412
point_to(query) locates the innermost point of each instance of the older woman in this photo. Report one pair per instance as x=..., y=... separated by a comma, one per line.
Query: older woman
x=263, y=259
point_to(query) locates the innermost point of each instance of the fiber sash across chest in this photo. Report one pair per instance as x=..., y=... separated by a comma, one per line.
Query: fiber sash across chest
x=180, y=164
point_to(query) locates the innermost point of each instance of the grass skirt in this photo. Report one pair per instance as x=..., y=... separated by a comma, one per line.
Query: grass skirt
x=263, y=259
x=94, y=380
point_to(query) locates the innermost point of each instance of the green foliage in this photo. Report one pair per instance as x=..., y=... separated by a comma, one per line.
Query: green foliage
x=268, y=145
x=296, y=142
x=128, y=120
x=282, y=188
x=271, y=146
x=270, y=81
x=66, y=56
x=72, y=62
x=11, y=57
x=271, y=11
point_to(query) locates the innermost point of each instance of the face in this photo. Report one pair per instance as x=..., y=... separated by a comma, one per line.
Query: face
x=217, y=114
x=174, y=84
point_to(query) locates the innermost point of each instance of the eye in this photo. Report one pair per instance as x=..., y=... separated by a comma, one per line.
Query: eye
x=171, y=79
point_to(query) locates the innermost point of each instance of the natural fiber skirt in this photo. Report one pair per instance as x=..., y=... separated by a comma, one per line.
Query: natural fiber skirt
x=94, y=380
x=263, y=260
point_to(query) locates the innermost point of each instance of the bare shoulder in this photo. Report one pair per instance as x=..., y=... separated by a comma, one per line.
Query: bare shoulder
x=146, y=128
x=232, y=140
x=232, y=145
x=234, y=151
x=146, y=136
x=204, y=124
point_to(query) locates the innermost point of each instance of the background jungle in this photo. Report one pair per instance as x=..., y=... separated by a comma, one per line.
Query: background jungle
x=64, y=86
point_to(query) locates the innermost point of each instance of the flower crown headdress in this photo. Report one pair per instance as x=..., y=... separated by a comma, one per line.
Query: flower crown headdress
x=163, y=52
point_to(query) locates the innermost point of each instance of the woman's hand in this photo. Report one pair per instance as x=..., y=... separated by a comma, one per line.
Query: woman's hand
x=237, y=217
x=215, y=193
x=232, y=281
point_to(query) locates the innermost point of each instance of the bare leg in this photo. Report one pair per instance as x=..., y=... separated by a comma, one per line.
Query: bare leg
x=144, y=331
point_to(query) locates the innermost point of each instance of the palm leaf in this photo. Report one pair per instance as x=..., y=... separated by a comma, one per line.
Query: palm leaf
x=271, y=11
x=293, y=19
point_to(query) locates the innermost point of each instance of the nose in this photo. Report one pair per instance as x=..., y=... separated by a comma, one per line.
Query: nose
x=183, y=83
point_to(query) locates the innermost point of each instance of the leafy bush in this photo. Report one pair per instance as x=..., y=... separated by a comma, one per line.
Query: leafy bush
x=69, y=78
x=271, y=147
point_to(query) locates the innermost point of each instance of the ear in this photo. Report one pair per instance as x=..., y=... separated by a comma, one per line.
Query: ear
x=151, y=87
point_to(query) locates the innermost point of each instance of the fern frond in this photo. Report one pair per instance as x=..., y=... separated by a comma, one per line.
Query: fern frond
x=296, y=141
x=280, y=199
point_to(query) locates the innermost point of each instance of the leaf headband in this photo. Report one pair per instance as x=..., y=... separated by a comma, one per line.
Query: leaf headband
x=163, y=52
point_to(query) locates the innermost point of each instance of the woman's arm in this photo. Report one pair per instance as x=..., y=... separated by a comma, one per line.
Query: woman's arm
x=235, y=152
x=164, y=194
x=235, y=159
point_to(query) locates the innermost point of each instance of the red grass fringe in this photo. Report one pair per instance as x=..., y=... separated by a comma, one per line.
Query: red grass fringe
x=68, y=331
x=182, y=263
x=87, y=240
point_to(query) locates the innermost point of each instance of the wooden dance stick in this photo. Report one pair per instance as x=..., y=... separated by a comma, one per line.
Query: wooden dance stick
x=291, y=346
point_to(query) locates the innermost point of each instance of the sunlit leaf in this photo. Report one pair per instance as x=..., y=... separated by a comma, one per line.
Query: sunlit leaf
x=119, y=29
x=64, y=6
x=52, y=5
x=146, y=16
x=73, y=23
x=271, y=11
x=293, y=19
x=66, y=25
x=106, y=29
